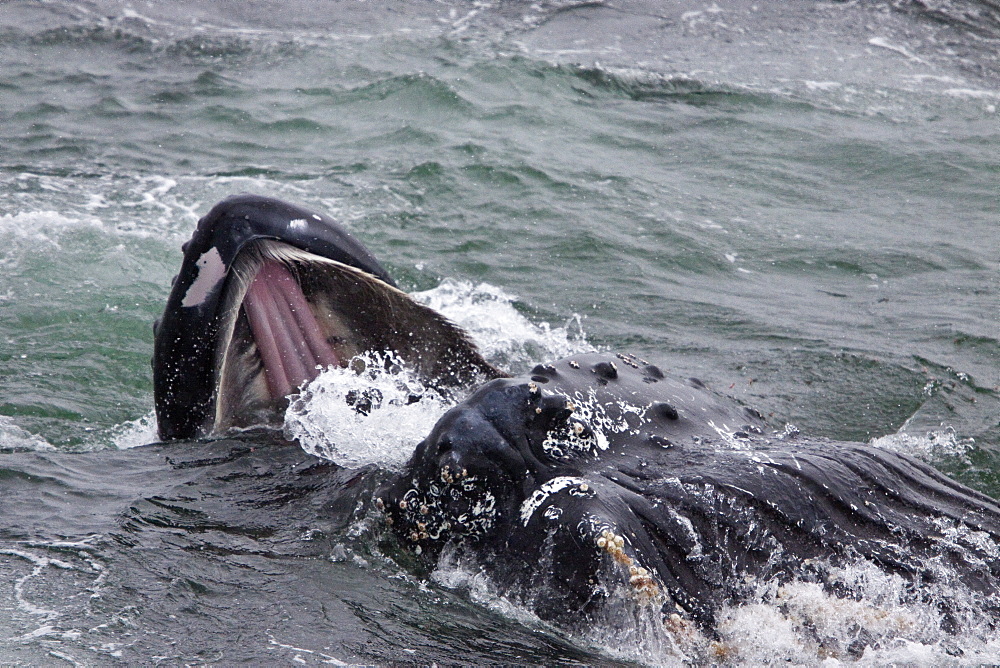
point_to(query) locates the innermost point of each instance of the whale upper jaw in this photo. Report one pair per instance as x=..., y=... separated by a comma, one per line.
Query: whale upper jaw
x=268, y=295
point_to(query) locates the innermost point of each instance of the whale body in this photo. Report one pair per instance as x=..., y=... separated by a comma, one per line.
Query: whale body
x=599, y=473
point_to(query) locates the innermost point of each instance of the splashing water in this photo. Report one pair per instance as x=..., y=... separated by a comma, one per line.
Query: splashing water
x=367, y=413
x=134, y=433
x=504, y=336
x=882, y=621
x=879, y=621
x=458, y=570
x=13, y=437
x=928, y=447
x=374, y=411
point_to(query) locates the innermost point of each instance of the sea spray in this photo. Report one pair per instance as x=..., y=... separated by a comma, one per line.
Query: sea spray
x=374, y=411
x=506, y=337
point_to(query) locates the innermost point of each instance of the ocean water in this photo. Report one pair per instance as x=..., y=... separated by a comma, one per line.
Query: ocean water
x=796, y=202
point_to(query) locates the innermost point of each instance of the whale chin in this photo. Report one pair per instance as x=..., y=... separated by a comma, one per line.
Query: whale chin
x=289, y=314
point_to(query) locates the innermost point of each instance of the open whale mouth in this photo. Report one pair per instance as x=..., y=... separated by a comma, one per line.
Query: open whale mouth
x=268, y=295
x=288, y=314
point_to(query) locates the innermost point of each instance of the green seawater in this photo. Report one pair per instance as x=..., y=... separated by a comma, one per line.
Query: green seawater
x=797, y=204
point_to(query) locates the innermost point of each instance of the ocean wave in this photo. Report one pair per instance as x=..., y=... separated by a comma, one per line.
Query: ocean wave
x=643, y=84
x=981, y=17
x=13, y=438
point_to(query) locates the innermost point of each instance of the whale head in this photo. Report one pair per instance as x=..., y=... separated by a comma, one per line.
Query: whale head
x=269, y=294
x=558, y=483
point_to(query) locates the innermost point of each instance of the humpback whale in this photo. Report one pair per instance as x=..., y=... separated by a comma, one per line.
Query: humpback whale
x=591, y=475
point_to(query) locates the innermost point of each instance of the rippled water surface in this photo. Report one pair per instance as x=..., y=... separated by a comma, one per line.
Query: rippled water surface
x=796, y=202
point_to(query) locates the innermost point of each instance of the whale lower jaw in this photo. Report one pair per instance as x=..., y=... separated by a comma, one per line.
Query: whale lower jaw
x=288, y=314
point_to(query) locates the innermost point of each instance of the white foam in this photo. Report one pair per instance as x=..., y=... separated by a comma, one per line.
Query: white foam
x=43, y=227
x=324, y=419
x=802, y=623
x=622, y=628
x=930, y=446
x=976, y=94
x=316, y=654
x=131, y=434
x=13, y=437
x=822, y=85
x=504, y=335
x=884, y=43
x=39, y=564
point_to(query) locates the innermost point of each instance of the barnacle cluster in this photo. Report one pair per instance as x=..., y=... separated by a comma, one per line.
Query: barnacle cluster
x=571, y=439
x=644, y=585
x=631, y=360
x=454, y=504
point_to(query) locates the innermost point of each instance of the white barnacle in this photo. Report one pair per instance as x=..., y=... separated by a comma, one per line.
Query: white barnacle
x=574, y=364
x=485, y=506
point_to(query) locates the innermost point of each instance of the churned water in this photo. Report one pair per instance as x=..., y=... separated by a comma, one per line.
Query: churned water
x=794, y=201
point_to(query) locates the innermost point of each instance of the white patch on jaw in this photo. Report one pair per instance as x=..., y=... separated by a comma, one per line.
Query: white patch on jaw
x=298, y=224
x=211, y=270
x=548, y=488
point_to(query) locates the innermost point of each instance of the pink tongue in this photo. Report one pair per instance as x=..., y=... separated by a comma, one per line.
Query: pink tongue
x=288, y=337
